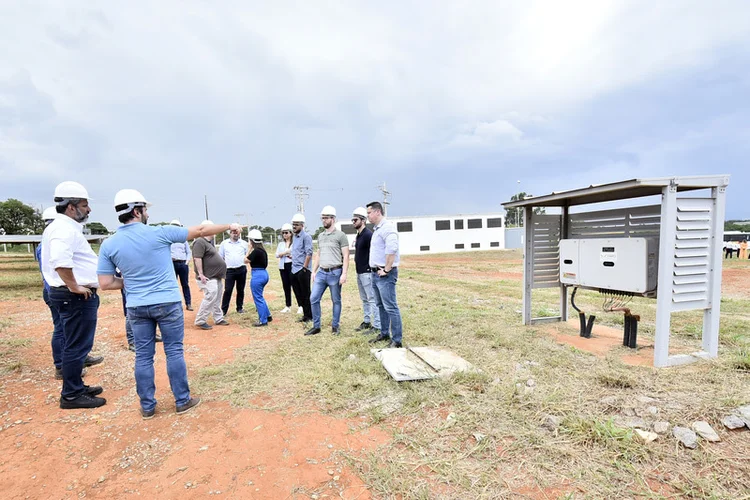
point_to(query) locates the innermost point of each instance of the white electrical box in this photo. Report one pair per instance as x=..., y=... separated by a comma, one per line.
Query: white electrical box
x=619, y=264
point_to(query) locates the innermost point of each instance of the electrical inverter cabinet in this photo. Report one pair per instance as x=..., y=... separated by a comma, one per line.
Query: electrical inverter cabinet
x=617, y=264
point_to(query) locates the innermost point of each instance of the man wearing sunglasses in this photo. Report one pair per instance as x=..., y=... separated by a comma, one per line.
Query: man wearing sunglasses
x=364, y=275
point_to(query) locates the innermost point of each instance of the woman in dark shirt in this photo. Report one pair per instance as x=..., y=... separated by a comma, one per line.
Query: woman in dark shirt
x=258, y=259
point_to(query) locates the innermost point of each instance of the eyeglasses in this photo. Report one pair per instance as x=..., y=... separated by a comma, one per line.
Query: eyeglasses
x=285, y=232
x=324, y=217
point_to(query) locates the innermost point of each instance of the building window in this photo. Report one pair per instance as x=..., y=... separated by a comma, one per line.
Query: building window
x=475, y=245
x=475, y=223
x=494, y=244
x=348, y=229
x=442, y=225
x=458, y=224
x=459, y=246
x=424, y=248
x=403, y=227
x=496, y=222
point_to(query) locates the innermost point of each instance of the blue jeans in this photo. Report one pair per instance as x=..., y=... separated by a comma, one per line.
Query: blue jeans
x=385, y=297
x=143, y=320
x=58, y=337
x=78, y=317
x=258, y=281
x=323, y=280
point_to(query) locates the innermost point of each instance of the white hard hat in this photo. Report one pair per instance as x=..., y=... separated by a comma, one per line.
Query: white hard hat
x=255, y=235
x=206, y=222
x=49, y=213
x=176, y=222
x=328, y=210
x=131, y=199
x=71, y=189
x=360, y=212
x=298, y=218
x=286, y=227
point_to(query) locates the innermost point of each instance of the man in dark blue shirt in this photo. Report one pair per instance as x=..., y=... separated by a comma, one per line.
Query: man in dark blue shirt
x=364, y=274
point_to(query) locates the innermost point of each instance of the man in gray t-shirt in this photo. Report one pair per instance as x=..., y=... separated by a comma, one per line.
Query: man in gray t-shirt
x=210, y=271
x=329, y=270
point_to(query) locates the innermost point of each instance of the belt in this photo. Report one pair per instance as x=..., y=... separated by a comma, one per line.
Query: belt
x=178, y=261
x=238, y=267
x=66, y=289
x=378, y=268
x=329, y=269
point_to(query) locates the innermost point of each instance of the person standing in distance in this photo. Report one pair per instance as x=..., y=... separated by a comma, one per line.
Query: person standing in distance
x=302, y=250
x=284, y=254
x=69, y=267
x=384, y=261
x=210, y=271
x=330, y=270
x=258, y=260
x=153, y=296
x=180, y=257
x=233, y=251
x=364, y=275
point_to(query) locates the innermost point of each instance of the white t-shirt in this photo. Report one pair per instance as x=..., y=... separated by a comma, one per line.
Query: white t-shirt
x=63, y=245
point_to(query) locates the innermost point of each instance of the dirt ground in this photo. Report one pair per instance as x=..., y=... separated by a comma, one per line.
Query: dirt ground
x=111, y=452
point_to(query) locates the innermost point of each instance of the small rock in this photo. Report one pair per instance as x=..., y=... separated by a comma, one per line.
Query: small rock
x=314, y=497
x=551, y=422
x=609, y=400
x=733, y=422
x=85, y=466
x=330, y=472
x=630, y=412
x=336, y=478
x=188, y=485
x=744, y=412
x=687, y=437
x=478, y=436
x=653, y=410
x=18, y=422
x=661, y=427
x=102, y=479
x=203, y=448
x=352, y=357
x=450, y=417
x=646, y=436
x=630, y=422
x=645, y=400
x=330, y=446
x=705, y=431
x=531, y=383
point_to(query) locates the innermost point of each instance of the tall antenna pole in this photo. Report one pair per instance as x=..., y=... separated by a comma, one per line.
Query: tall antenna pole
x=205, y=203
x=386, y=194
x=301, y=195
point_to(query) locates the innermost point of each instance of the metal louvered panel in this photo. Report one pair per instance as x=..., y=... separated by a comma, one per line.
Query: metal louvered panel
x=546, y=248
x=692, y=254
x=639, y=222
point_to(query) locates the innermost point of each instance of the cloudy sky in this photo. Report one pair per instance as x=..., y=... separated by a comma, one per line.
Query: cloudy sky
x=450, y=105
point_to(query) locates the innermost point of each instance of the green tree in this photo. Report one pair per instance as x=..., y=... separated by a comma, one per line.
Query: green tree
x=97, y=228
x=18, y=218
x=514, y=216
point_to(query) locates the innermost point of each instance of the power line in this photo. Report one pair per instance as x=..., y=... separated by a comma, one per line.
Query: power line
x=386, y=194
x=301, y=195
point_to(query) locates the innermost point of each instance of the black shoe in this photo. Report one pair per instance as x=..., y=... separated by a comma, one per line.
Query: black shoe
x=93, y=360
x=394, y=345
x=312, y=331
x=82, y=401
x=93, y=390
x=145, y=415
x=260, y=324
x=379, y=338
x=158, y=338
x=188, y=406
x=58, y=373
x=240, y=311
x=363, y=326
x=131, y=347
x=270, y=318
x=303, y=319
x=223, y=322
x=189, y=307
x=204, y=326
x=335, y=330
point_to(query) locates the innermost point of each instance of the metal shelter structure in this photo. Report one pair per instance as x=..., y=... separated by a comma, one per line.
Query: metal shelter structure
x=689, y=231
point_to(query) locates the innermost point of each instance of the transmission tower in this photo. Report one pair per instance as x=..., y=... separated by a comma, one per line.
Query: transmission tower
x=301, y=195
x=386, y=194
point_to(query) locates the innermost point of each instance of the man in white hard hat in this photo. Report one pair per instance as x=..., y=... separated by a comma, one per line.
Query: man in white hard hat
x=233, y=251
x=302, y=250
x=69, y=267
x=210, y=271
x=364, y=275
x=384, y=262
x=181, y=255
x=143, y=255
x=330, y=270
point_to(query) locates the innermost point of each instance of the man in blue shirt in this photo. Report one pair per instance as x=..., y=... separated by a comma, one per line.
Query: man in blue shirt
x=302, y=250
x=142, y=254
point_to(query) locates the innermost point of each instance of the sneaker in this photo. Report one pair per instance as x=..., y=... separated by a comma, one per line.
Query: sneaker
x=58, y=373
x=335, y=330
x=363, y=326
x=394, y=345
x=189, y=307
x=285, y=310
x=93, y=360
x=312, y=331
x=145, y=415
x=204, y=326
x=299, y=310
x=223, y=322
x=158, y=338
x=257, y=324
x=82, y=401
x=93, y=390
x=188, y=406
x=240, y=311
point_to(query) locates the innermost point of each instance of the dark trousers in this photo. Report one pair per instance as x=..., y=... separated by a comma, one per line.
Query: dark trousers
x=58, y=337
x=234, y=275
x=301, y=287
x=182, y=271
x=286, y=281
x=78, y=317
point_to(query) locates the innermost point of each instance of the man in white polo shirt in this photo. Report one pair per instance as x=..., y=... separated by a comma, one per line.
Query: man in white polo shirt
x=233, y=251
x=69, y=267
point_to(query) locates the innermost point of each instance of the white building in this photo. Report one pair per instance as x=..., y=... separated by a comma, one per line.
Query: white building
x=444, y=233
